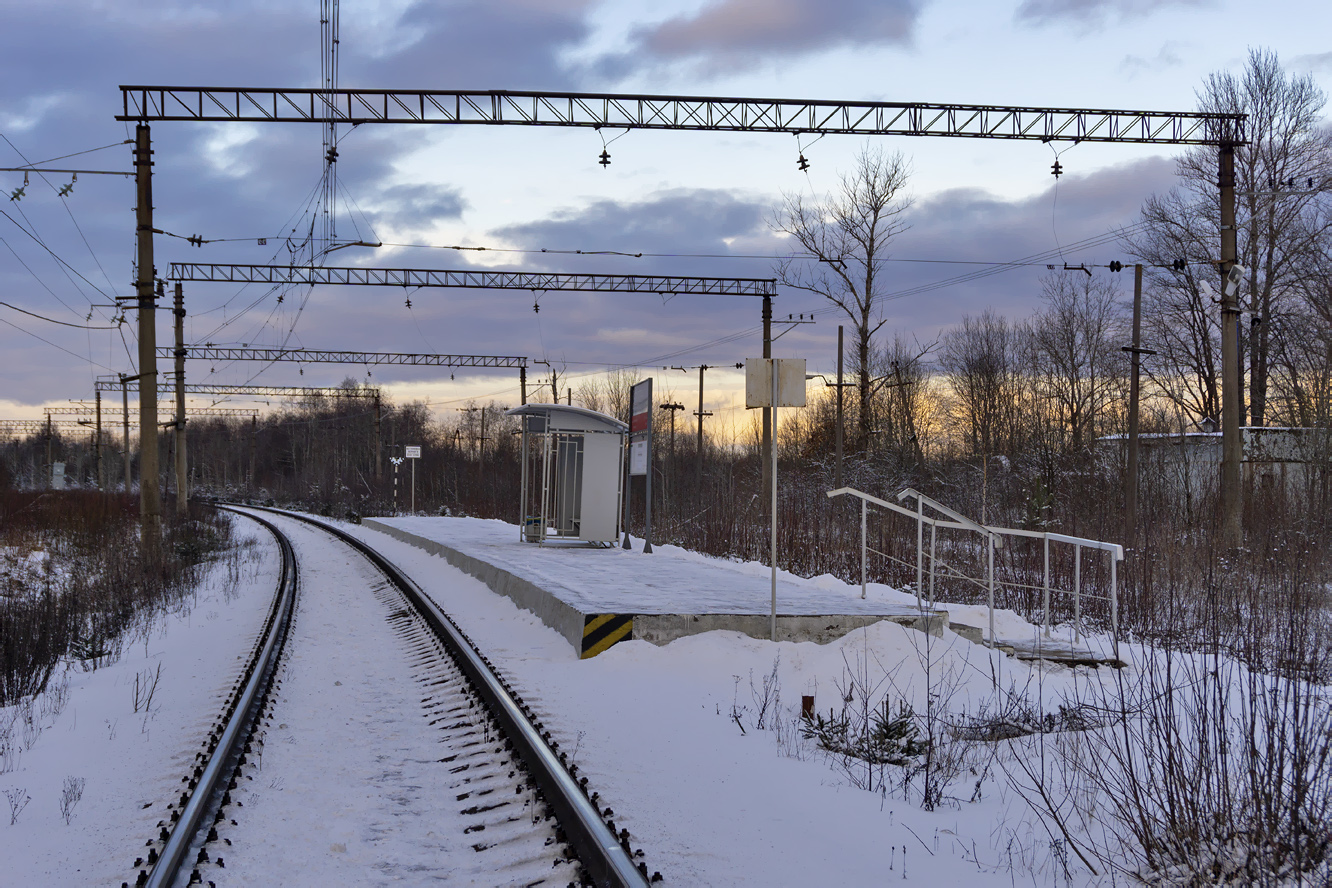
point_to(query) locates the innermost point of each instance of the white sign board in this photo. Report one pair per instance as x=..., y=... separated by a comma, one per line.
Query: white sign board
x=638, y=458
x=790, y=382
x=413, y=451
x=58, y=475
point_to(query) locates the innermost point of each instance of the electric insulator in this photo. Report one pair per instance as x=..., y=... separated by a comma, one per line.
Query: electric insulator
x=605, y=158
x=1116, y=265
x=802, y=163
x=1057, y=169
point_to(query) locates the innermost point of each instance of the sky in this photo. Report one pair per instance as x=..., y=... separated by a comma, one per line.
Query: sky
x=692, y=203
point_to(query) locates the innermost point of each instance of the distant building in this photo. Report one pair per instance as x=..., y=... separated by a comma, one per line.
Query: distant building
x=1273, y=457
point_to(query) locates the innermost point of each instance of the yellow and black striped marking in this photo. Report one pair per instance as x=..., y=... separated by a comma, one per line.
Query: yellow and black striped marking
x=600, y=631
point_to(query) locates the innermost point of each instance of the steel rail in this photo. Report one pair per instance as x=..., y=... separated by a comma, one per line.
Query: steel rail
x=599, y=850
x=240, y=718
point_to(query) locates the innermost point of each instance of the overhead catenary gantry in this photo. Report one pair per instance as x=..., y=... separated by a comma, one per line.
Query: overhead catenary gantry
x=642, y=111
x=326, y=356
x=322, y=356
x=472, y=279
x=1225, y=131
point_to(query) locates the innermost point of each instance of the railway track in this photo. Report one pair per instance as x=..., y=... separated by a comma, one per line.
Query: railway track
x=518, y=794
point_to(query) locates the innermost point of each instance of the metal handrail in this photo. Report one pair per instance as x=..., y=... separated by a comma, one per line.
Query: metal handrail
x=994, y=537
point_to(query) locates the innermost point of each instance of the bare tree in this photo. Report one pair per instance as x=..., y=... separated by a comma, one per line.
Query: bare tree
x=904, y=395
x=1077, y=358
x=846, y=236
x=981, y=361
x=1283, y=177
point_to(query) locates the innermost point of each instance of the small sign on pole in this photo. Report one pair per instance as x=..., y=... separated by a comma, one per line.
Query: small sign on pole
x=774, y=382
x=640, y=455
x=413, y=452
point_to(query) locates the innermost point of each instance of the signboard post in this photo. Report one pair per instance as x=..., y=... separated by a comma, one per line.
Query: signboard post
x=397, y=461
x=413, y=452
x=640, y=455
x=774, y=382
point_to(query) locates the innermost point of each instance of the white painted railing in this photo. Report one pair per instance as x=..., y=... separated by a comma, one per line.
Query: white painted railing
x=947, y=518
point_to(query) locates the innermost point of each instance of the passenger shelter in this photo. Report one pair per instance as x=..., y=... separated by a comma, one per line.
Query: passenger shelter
x=572, y=476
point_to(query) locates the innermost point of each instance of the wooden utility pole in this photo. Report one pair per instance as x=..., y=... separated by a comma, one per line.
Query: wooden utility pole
x=1231, y=532
x=50, y=457
x=672, y=407
x=522, y=384
x=765, y=457
x=124, y=403
x=150, y=493
x=1131, y=476
x=182, y=480
x=700, y=413
x=837, y=472
x=379, y=438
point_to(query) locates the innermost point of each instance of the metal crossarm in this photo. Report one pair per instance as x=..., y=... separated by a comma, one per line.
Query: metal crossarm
x=311, y=356
x=163, y=410
x=634, y=111
x=256, y=391
x=490, y=280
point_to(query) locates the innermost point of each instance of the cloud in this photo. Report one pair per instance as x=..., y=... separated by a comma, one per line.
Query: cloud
x=735, y=34
x=973, y=225
x=476, y=44
x=1166, y=57
x=1088, y=13
x=1313, y=62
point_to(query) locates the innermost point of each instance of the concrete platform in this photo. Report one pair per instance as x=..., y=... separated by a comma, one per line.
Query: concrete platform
x=598, y=597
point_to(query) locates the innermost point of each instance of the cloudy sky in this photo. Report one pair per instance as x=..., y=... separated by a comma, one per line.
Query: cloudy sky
x=692, y=203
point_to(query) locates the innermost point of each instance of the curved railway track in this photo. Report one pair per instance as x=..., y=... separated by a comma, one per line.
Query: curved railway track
x=512, y=736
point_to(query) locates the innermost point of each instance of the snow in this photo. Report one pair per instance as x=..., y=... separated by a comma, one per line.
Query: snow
x=672, y=581
x=131, y=761
x=667, y=735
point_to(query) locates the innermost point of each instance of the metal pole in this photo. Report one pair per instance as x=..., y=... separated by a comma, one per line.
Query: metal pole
x=1131, y=476
x=254, y=450
x=413, y=487
x=864, y=509
x=1231, y=532
x=920, y=546
x=50, y=457
x=101, y=466
x=772, y=367
x=522, y=458
x=182, y=481
x=522, y=384
x=837, y=481
x=647, y=504
x=124, y=402
x=990, y=537
x=934, y=537
x=1045, y=602
x=1077, y=590
x=150, y=493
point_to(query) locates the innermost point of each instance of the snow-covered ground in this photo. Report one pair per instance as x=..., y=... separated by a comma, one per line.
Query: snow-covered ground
x=669, y=736
x=180, y=668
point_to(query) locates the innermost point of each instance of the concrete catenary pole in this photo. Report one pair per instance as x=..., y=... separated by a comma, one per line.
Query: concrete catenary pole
x=97, y=445
x=150, y=493
x=182, y=479
x=1231, y=532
